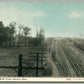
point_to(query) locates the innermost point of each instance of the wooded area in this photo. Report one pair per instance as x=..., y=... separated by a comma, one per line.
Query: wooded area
x=9, y=37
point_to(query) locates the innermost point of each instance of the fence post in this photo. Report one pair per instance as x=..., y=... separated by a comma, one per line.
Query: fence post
x=20, y=65
x=37, y=65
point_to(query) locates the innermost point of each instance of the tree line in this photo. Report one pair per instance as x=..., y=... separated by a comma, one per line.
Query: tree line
x=9, y=37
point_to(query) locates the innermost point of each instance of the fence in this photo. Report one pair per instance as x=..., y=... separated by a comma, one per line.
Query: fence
x=20, y=67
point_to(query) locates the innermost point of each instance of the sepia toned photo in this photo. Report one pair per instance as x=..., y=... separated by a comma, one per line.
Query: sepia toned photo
x=41, y=39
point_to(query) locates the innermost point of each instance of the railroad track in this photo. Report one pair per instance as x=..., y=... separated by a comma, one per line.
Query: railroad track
x=75, y=62
x=60, y=63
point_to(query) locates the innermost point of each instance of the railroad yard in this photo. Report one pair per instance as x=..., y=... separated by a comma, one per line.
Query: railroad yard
x=67, y=57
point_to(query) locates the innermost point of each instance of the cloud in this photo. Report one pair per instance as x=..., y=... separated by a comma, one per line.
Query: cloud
x=40, y=14
x=75, y=14
x=19, y=16
x=8, y=15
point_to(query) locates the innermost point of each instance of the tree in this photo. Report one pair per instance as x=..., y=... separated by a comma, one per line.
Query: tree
x=1, y=33
x=19, y=35
x=12, y=28
x=26, y=31
x=7, y=35
x=40, y=35
x=39, y=39
x=12, y=32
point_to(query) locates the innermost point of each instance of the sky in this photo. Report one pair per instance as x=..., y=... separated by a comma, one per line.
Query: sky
x=58, y=19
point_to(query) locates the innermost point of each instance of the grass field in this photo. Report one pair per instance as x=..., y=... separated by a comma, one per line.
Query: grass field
x=9, y=57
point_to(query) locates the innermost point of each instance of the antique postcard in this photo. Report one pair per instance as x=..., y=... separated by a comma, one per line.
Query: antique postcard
x=41, y=41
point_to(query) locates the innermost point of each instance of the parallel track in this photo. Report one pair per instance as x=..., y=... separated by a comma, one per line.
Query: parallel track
x=75, y=61
x=60, y=63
